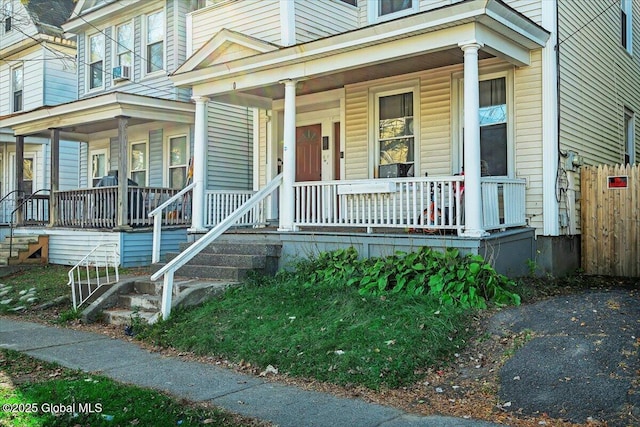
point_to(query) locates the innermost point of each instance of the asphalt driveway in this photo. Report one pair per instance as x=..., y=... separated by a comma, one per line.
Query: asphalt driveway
x=582, y=361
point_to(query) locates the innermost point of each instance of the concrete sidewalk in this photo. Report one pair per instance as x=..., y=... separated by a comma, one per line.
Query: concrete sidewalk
x=247, y=395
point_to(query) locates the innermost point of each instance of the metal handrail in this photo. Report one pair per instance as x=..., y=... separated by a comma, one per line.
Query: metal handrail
x=156, y=214
x=20, y=205
x=95, y=265
x=185, y=256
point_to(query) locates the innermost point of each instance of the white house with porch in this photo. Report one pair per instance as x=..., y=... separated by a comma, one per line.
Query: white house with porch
x=390, y=125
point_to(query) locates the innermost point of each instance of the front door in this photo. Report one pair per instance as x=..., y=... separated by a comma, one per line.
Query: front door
x=308, y=153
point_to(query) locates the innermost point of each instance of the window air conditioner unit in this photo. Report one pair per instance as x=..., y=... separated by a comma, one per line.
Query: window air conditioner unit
x=121, y=72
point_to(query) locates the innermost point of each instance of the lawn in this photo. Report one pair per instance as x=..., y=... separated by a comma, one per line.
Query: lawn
x=36, y=393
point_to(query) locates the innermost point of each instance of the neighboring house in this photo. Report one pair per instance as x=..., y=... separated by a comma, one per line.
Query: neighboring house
x=373, y=108
x=130, y=119
x=37, y=68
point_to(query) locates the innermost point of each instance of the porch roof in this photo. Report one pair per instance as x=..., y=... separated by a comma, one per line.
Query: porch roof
x=78, y=119
x=429, y=39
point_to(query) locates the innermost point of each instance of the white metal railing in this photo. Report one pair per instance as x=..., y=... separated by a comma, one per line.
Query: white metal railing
x=221, y=203
x=418, y=203
x=185, y=256
x=157, y=216
x=503, y=202
x=98, y=268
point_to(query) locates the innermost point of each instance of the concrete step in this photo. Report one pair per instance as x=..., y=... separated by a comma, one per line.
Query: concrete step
x=139, y=301
x=214, y=272
x=123, y=316
x=239, y=249
x=23, y=239
x=226, y=260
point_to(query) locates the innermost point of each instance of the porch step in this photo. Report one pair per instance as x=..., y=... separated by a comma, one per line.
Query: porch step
x=141, y=300
x=229, y=261
x=25, y=249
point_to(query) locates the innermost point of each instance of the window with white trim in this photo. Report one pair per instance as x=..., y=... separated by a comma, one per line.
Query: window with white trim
x=96, y=61
x=382, y=10
x=98, y=165
x=17, y=86
x=27, y=174
x=626, y=24
x=154, y=42
x=629, y=137
x=493, y=126
x=395, y=113
x=124, y=45
x=178, y=161
x=139, y=163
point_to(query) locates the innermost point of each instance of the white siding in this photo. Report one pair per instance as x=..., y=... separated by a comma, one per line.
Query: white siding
x=69, y=165
x=230, y=146
x=321, y=18
x=23, y=27
x=257, y=18
x=32, y=93
x=156, y=166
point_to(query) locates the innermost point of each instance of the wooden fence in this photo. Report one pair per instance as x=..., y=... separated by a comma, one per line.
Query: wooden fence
x=610, y=206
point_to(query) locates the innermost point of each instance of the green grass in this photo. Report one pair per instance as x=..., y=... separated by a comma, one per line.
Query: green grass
x=324, y=332
x=50, y=282
x=24, y=380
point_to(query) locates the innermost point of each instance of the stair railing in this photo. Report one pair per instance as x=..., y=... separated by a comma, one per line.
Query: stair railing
x=4, y=200
x=98, y=268
x=156, y=214
x=196, y=247
x=18, y=207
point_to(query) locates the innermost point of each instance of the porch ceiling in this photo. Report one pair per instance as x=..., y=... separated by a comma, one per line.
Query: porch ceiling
x=419, y=42
x=77, y=120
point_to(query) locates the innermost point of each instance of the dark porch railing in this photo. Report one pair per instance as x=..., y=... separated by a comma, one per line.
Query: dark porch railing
x=98, y=207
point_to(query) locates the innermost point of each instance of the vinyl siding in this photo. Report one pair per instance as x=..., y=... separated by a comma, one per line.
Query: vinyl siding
x=23, y=27
x=316, y=19
x=528, y=134
x=82, y=68
x=32, y=68
x=257, y=18
x=532, y=9
x=156, y=165
x=262, y=159
x=67, y=247
x=230, y=147
x=356, y=155
x=598, y=79
x=70, y=172
x=84, y=165
x=60, y=83
x=136, y=246
x=114, y=153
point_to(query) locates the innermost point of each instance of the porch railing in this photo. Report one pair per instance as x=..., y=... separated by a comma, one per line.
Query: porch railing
x=164, y=212
x=169, y=269
x=503, y=202
x=220, y=204
x=98, y=207
x=410, y=203
x=428, y=204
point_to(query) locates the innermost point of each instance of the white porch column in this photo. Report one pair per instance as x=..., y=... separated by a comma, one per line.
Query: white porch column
x=472, y=188
x=287, y=206
x=199, y=164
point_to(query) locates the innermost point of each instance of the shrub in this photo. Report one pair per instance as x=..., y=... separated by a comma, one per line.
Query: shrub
x=465, y=281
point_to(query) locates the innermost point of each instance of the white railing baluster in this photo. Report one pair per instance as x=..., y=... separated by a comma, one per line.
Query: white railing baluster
x=91, y=263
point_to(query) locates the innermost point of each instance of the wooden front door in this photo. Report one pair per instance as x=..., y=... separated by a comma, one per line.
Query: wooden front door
x=308, y=153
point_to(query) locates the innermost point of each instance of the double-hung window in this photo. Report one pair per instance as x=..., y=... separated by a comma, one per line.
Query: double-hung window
x=17, y=84
x=381, y=10
x=155, y=41
x=96, y=61
x=139, y=163
x=493, y=126
x=178, y=162
x=395, y=132
x=626, y=25
x=124, y=45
